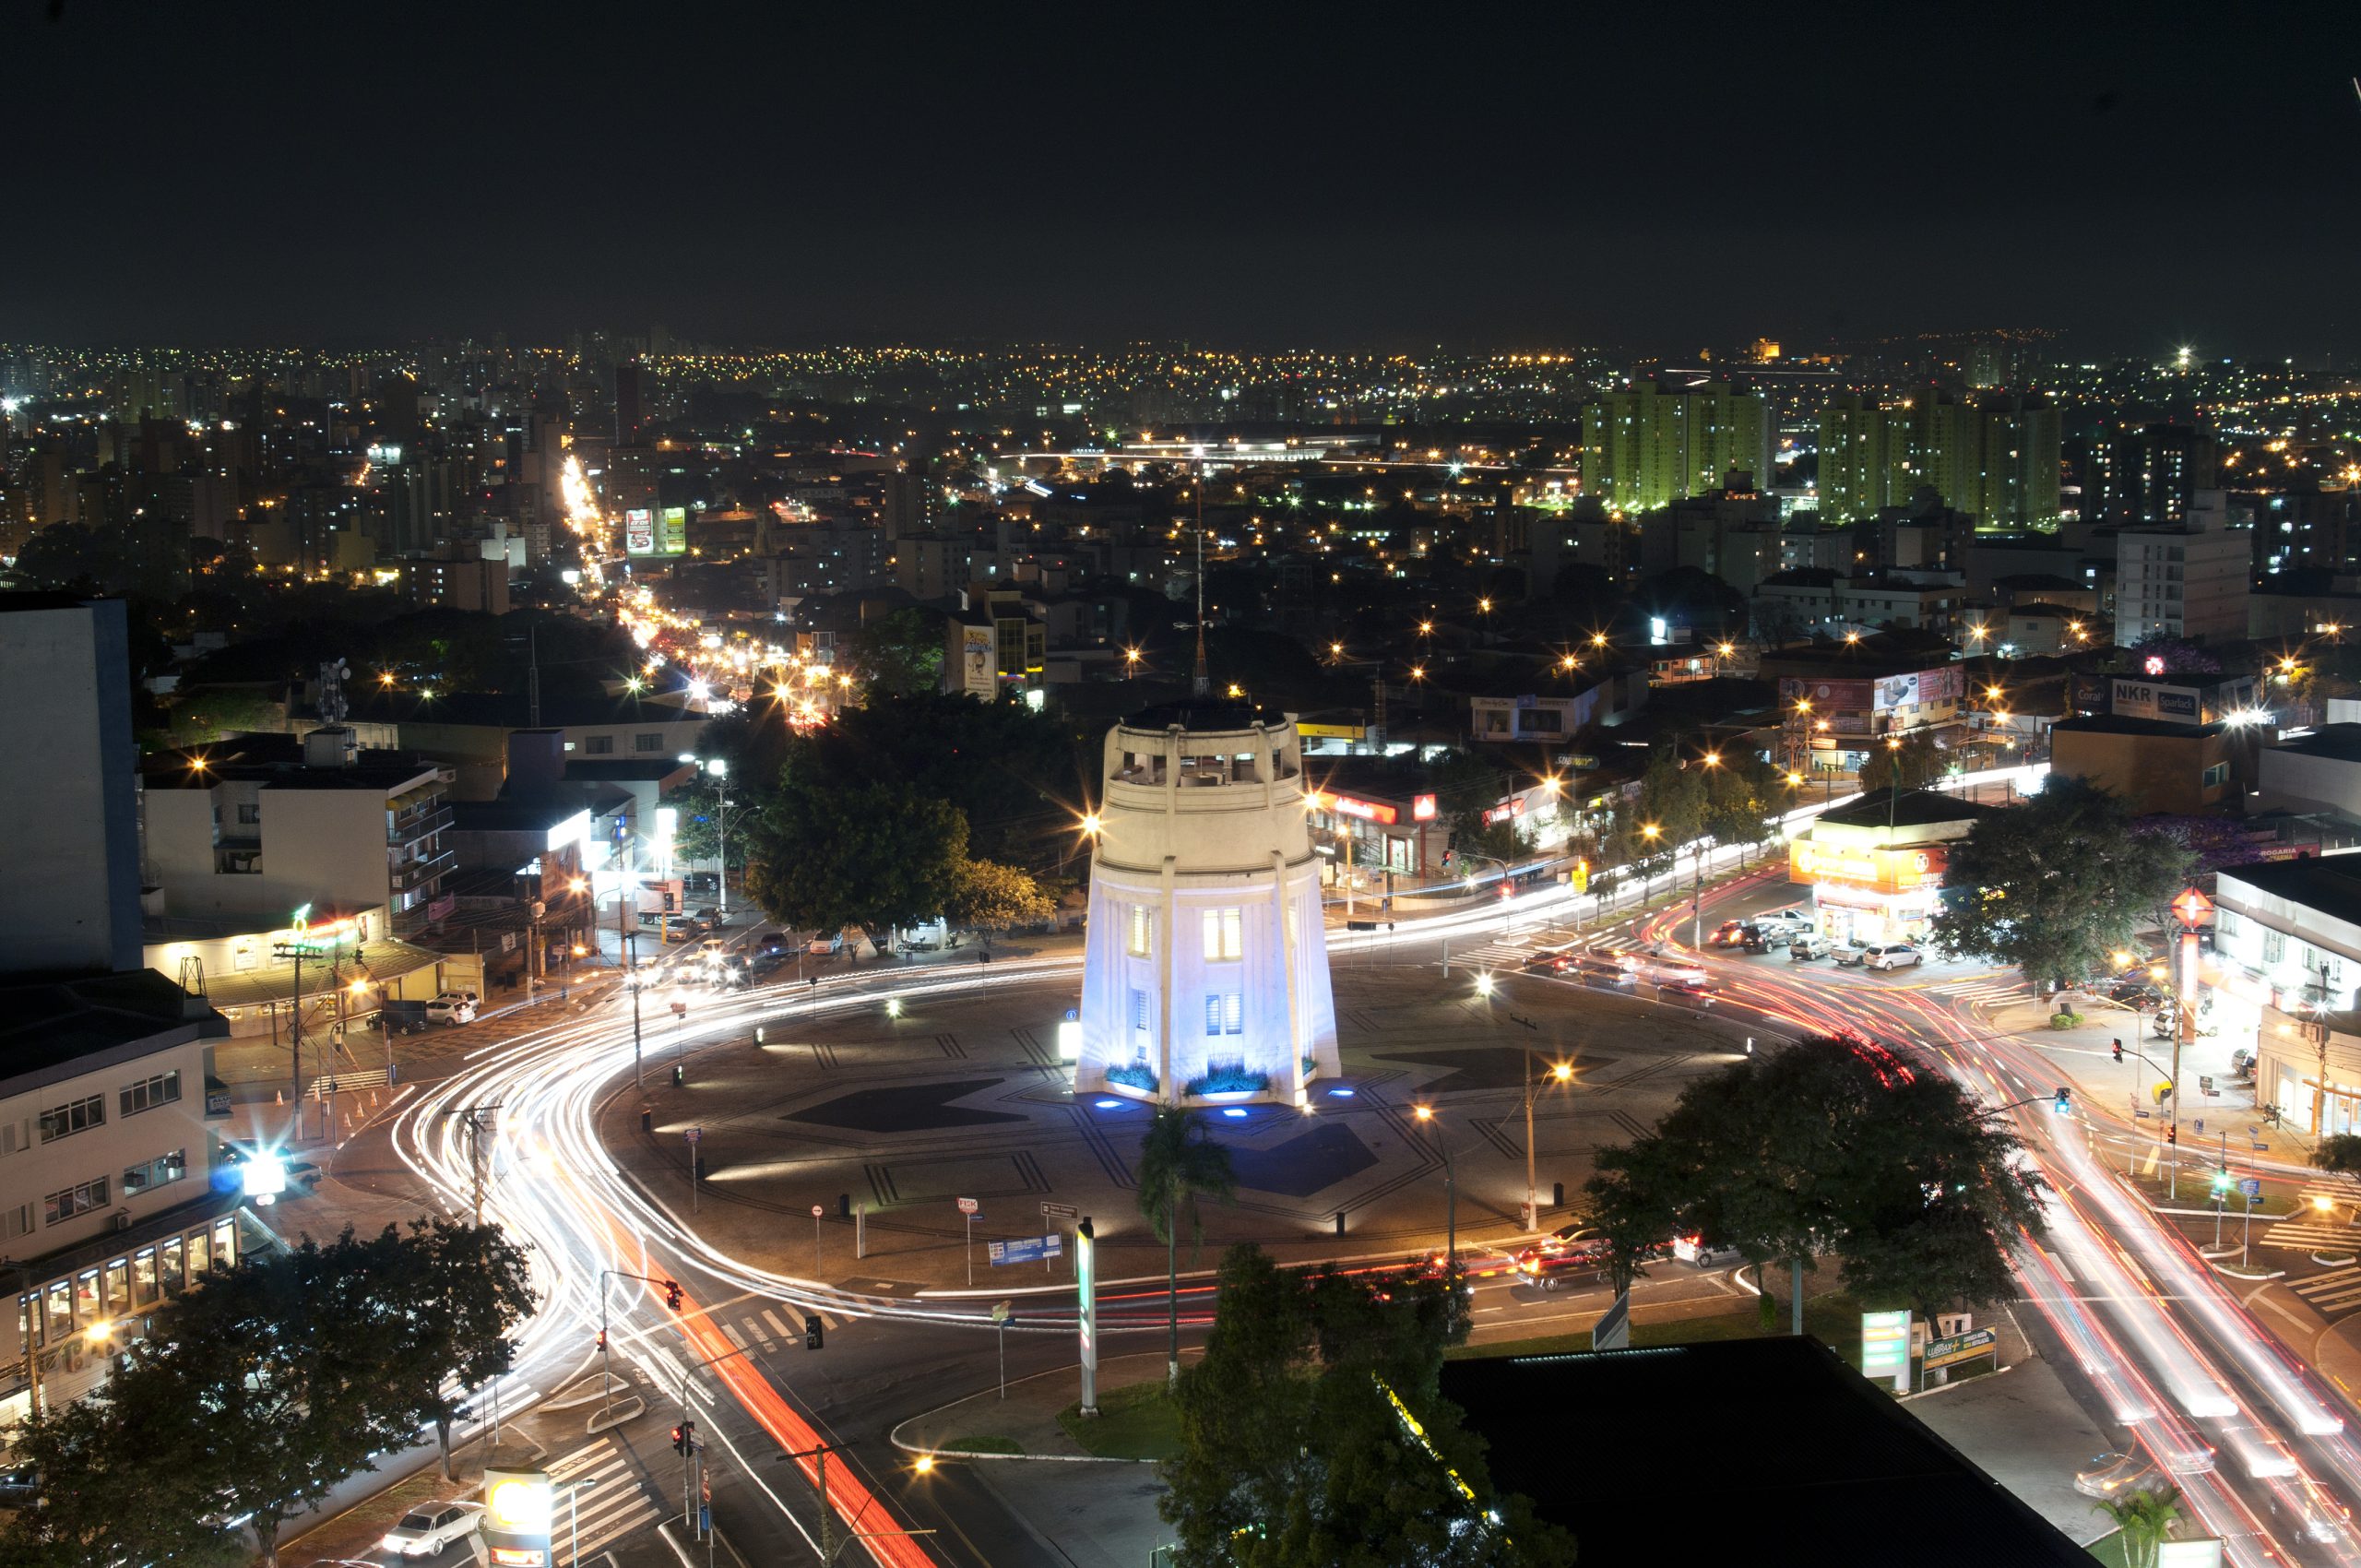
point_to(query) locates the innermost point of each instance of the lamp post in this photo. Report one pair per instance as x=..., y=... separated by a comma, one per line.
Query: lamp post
x=1450, y=1189
x=1559, y=1072
x=1651, y=832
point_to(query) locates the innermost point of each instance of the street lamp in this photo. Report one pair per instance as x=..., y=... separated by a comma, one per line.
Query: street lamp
x=1561, y=1073
x=1651, y=832
x=1451, y=1198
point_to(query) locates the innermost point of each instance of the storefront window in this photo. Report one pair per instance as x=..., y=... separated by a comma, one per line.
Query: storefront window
x=143, y=1276
x=118, y=1288
x=200, y=1254
x=225, y=1242
x=173, y=1280
x=87, y=1309
x=61, y=1310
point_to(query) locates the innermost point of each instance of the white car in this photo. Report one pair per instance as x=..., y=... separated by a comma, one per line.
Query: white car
x=426, y=1530
x=822, y=946
x=712, y=948
x=452, y=1007
x=1891, y=956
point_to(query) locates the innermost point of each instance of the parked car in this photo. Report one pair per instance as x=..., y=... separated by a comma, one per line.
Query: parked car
x=712, y=948
x=729, y=973
x=1694, y=1250
x=403, y=1015
x=1806, y=946
x=453, y=1008
x=1793, y=915
x=826, y=943
x=1745, y=935
x=701, y=882
x=771, y=943
x=1550, y=1263
x=426, y=1531
x=1888, y=956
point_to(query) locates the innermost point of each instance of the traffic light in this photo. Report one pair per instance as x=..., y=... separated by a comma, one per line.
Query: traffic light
x=677, y=1079
x=684, y=1437
x=813, y=1336
x=672, y=1295
x=2172, y=1135
x=2118, y=1051
x=602, y=1341
x=2065, y=1094
x=2221, y=1181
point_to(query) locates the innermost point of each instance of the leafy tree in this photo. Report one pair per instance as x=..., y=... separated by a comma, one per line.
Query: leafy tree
x=1831, y=1145
x=1672, y=797
x=2146, y=1520
x=2340, y=1152
x=456, y=1292
x=2056, y=882
x=2181, y=657
x=898, y=655
x=117, y=1489
x=992, y=897
x=1294, y=1453
x=696, y=834
x=1742, y=792
x=822, y=857
x=1179, y=1164
x=1910, y=762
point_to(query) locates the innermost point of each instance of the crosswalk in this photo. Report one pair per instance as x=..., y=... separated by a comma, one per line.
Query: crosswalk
x=599, y=1500
x=2337, y=1290
x=769, y=1331
x=1988, y=992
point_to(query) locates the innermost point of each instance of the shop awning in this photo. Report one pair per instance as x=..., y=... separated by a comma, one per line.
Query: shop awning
x=376, y=961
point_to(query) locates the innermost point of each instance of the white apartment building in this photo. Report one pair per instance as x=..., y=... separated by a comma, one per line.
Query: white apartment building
x=2182, y=582
x=109, y=1146
x=266, y=824
x=2287, y=934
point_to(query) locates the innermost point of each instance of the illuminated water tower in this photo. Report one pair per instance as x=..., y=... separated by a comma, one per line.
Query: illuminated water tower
x=1206, y=973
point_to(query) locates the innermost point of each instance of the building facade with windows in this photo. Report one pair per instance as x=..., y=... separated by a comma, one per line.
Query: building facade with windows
x=2287, y=941
x=1206, y=968
x=110, y=1145
x=2182, y=582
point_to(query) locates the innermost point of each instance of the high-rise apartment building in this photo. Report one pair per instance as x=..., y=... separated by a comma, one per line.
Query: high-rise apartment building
x=2147, y=476
x=2181, y=582
x=1997, y=458
x=1652, y=445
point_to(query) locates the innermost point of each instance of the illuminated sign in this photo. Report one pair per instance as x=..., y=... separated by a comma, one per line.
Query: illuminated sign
x=1885, y=1347
x=1505, y=811
x=639, y=531
x=516, y=1518
x=264, y=1177
x=672, y=532
x=2141, y=699
x=575, y=829
x=1332, y=732
x=1881, y=871
x=1367, y=811
x=2192, y=909
x=1422, y=808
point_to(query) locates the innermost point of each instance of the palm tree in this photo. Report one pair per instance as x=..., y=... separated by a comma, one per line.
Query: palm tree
x=1178, y=1165
x=2145, y=1518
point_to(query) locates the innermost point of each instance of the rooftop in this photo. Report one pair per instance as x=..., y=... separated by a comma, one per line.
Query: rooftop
x=277, y=761
x=2116, y=724
x=2334, y=743
x=2331, y=885
x=1205, y=715
x=1911, y=808
x=49, y=1024
x=1835, y=1470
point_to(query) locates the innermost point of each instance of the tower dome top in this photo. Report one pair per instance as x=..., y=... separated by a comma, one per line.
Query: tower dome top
x=1201, y=715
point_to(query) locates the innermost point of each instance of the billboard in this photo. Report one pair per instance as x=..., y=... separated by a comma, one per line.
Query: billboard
x=1895, y=691
x=978, y=659
x=1827, y=696
x=2146, y=699
x=672, y=530
x=1880, y=870
x=639, y=531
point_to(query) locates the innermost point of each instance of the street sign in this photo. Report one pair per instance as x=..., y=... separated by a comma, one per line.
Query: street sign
x=2251, y=1186
x=817, y=1211
x=694, y=1133
x=1059, y=1211
x=999, y=1311
x=968, y=1206
x=1613, y=1329
x=1026, y=1248
x=1885, y=1347
x=1961, y=1348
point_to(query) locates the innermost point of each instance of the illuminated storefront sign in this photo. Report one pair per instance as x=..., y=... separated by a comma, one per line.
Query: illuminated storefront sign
x=1346, y=805
x=1422, y=808
x=1883, y=871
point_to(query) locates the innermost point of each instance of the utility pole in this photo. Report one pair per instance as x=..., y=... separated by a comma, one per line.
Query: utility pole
x=631, y=983
x=830, y=1547
x=479, y=1123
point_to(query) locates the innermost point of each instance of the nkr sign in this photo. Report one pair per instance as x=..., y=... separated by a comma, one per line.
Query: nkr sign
x=2145, y=699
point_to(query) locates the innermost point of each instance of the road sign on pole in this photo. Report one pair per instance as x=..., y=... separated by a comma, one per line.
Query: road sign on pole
x=1059, y=1211
x=1613, y=1330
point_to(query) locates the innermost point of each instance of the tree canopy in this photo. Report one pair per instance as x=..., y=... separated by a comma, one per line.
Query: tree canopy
x=261, y=1387
x=2056, y=882
x=1295, y=1452
x=1830, y=1145
x=1912, y=764
x=821, y=856
x=987, y=896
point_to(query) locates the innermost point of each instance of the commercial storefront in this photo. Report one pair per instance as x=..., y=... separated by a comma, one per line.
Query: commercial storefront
x=1876, y=866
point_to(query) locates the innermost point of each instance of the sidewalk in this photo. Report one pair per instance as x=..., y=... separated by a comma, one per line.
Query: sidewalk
x=2112, y=1091
x=1024, y=1424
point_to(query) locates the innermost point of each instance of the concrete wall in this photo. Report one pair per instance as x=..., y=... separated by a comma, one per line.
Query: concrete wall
x=2157, y=772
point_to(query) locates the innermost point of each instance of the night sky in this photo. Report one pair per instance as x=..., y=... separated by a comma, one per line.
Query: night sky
x=2136, y=177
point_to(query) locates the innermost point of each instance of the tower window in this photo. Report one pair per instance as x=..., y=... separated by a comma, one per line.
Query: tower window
x=1225, y=933
x=1138, y=931
x=1225, y=1013
x=1140, y=1022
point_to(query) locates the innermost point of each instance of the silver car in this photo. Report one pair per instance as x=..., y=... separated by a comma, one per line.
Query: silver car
x=426, y=1530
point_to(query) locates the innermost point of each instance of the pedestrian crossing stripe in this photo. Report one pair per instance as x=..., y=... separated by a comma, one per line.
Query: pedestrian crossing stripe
x=2302, y=1234
x=776, y=1326
x=2338, y=1289
x=608, y=1503
x=790, y=1337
